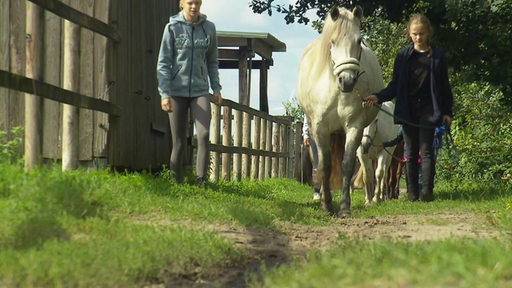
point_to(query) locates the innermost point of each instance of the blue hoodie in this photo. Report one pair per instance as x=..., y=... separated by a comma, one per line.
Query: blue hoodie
x=188, y=57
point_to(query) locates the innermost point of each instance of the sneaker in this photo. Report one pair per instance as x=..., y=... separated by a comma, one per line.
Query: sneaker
x=316, y=196
x=201, y=182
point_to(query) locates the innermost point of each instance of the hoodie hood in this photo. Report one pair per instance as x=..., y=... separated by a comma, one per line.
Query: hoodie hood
x=180, y=18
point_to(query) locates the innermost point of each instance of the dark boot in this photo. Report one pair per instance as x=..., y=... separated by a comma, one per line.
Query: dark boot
x=427, y=187
x=412, y=181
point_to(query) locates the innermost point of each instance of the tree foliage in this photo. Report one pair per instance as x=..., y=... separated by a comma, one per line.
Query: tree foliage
x=475, y=34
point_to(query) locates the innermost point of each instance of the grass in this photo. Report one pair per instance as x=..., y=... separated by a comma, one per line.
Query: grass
x=107, y=229
x=446, y=263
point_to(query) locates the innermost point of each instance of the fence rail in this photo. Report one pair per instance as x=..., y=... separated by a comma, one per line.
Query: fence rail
x=45, y=90
x=79, y=18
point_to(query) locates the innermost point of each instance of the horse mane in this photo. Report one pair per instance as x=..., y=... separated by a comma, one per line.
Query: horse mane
x=333, y=30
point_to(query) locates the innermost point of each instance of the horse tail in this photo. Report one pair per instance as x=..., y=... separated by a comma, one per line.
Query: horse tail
x=358, y=179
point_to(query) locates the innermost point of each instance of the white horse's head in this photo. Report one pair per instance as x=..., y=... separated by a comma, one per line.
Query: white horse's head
x=342, y=30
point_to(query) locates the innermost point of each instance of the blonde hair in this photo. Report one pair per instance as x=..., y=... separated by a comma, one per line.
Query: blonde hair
x=423, y=20
x=183, y=2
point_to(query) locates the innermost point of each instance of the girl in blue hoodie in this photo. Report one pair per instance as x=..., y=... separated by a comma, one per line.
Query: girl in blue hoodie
x=187, y=68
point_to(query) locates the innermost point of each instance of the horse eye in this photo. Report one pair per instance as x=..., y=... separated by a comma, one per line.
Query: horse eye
x=359, y=41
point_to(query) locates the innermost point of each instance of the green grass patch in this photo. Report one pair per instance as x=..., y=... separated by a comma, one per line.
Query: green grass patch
x=357, y=263
x=108, y=229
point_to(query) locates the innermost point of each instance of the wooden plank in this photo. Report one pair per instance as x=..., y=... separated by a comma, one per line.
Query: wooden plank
x=243, y=81
x=86, y=75
x=142, y=109
x=218, y=148
x=4, y=61
x=27, y=85
x=278, y=119
x=17, y=59
x=234, y=64
x=52, y=129
x=102, y=85
x=264, y=87
x=79, y=18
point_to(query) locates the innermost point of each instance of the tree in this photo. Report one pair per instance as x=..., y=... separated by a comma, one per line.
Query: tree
x=474, y=33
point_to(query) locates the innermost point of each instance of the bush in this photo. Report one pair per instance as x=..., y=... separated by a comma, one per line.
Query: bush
x=11, y=146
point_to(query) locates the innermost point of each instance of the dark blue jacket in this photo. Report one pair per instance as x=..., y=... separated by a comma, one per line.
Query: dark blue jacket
x=442, y=97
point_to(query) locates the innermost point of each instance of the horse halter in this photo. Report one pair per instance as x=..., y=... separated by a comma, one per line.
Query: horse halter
x=350, y=64
x=371, y=138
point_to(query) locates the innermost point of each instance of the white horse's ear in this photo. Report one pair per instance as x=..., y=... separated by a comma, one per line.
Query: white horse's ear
x=358, y=12
x=334, y=12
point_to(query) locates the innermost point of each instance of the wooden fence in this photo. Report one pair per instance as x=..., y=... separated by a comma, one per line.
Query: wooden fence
x=251, y=144
x=36, y=90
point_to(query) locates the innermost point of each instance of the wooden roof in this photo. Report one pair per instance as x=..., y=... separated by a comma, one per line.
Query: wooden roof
x=262, y=44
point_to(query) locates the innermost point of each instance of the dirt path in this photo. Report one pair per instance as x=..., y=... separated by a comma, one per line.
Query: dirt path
x=276, y=248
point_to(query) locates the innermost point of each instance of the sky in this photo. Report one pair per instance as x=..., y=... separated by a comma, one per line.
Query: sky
x=237, y=16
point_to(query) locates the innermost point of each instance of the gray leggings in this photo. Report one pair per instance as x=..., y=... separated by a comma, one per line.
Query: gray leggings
x=201, y=114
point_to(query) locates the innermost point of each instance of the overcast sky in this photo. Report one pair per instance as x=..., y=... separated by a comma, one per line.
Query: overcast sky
x=236, y=15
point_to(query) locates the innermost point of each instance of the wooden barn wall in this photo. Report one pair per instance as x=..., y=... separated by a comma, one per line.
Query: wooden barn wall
x=140, y=137
x=123, y=73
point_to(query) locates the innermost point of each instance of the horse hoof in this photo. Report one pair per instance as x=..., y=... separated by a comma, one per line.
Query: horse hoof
x=344, y=214
x=327, y=206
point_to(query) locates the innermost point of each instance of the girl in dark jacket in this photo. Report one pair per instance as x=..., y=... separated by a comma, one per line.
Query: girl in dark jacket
x=424, y=100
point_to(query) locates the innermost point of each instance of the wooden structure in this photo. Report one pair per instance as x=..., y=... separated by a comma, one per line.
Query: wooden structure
x=237, y=51
x=110, y=87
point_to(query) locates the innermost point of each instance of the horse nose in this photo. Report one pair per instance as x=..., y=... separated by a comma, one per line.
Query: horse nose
x=347, y=82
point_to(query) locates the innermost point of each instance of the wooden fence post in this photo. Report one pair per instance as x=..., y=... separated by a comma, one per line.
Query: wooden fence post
x=237, y=157
x=268, y=147
x=256, y=145
x=276, y=147
x=215, y=139
x=70, y=117
x=246, y=142
x=226, y=141
x=263, y=145
x=33, y=50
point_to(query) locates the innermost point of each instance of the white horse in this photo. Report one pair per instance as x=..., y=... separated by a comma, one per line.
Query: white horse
x=375, y=160
x=336, y=71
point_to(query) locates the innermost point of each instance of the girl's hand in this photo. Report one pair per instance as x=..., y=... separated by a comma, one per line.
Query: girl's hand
x=166, y=105
x=218, y=98
x=370, y=100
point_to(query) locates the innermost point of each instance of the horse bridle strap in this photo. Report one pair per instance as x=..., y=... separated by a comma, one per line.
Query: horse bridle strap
x=348, y=64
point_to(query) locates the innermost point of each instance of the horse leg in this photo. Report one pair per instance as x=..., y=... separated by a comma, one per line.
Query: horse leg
x=353, y=140
x=367, y=175
x=379, y=174
x=323, y=173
